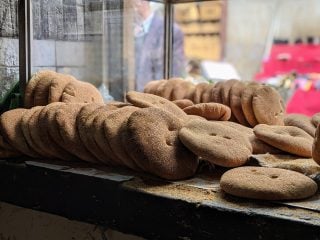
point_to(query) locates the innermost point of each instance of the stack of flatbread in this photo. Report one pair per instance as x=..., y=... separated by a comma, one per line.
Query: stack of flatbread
x=152, y=134
x=48, y=86
x=250, y=103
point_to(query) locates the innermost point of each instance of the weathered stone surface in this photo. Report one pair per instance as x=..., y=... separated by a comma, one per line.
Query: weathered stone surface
x=80, y=22
x=36, y=19
x=70, y=22
x=59, y=19
x=9, y=52
x=55, y=23
x=8, y=77
x=92, y=23
x=8, y=18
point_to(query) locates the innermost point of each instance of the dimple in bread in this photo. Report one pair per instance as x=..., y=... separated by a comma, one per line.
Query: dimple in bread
x=153, y=131
x=113, y=124
x=217, y=143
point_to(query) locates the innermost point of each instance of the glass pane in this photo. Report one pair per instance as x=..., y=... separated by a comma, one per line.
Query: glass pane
x=197, y=32
x=115, y=45
x=148, y=34
x=67, y=38
x=273, y=42
x=9, y=47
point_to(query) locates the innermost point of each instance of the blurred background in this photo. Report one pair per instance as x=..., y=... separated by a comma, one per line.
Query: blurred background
x=120, y=45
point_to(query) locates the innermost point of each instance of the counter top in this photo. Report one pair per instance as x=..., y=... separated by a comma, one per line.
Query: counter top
x=145, y=206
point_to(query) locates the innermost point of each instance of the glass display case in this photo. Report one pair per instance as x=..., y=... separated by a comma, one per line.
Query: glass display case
x=114, y=44
x=118, y=45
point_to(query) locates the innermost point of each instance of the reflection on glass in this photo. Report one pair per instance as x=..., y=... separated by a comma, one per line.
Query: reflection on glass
x=200, y=23
x=67, y=38
x=116, y=45
x=148, y=27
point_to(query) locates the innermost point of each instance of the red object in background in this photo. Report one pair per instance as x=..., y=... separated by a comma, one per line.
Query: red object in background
x=302, y=59
x=284, y=58
x=304, y=102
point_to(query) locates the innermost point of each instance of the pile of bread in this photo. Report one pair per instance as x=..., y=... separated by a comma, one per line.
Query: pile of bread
x=250, y=103
x=152, y=134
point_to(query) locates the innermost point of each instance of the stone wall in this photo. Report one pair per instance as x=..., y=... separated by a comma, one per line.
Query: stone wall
x=67, y=38
x=9, y=60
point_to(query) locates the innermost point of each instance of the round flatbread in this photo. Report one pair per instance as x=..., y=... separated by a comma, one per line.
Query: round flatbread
x=57, y=85
x=235, y=102
x=41, y=136
x=65, y=121
x=41, y=92
x=246, y=103
x=165, y=88
x=316, y=147
x=155, y=146
x=8, y=151
x=206, y=94
x=151, y=86
x=286, y=138
x=261, y=147
x=200, y=88
x=29, y=95
x=184, y=89
x=81, y=92
x=160, y=87
x=183, y=103
x=10, y=126
x=225, y=91
x=210, y=111
x=267, y=183
x=6, y=146
x=97, y=135
x=218, y=144
x=216, y=92
x=267, y=106
x=300, y=121
x=27, y=126
x=145, y=100
x=114, y=125
x=84, y=122
x=258, y=146
x=316, y=119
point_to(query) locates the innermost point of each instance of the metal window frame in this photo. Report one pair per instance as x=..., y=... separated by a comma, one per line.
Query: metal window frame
x=25, y=43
